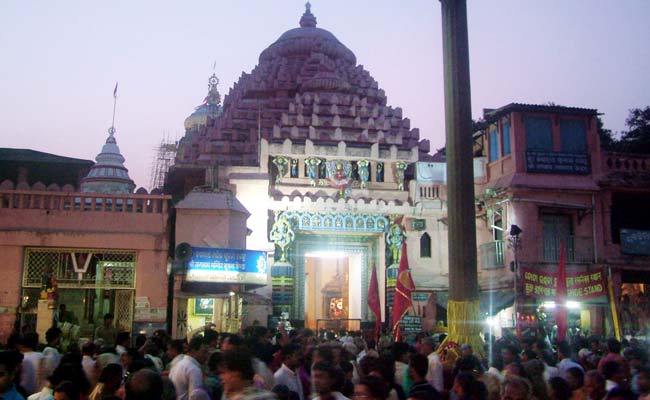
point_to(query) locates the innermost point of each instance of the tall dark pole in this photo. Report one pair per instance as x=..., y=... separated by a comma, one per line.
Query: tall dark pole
x=463, y=307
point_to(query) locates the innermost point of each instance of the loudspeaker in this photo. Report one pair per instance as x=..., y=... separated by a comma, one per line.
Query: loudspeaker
x=183, y=252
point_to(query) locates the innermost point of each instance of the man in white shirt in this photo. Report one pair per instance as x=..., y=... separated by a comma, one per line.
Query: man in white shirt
x=286, y=374
x=435, y=372
x=88, y=363
x=186, y=374
x=51, y=355
x=30, y=373
x=564, y=355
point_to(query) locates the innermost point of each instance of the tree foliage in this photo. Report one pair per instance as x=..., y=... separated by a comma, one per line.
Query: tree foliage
x=607, y=140
x=637, y=138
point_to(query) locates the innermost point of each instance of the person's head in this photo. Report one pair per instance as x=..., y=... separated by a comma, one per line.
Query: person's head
x=594, y=384
x=514, y=368
x=563, y=350
x=88, y=348
x=613, y=346
x=62, y=308
x=427, y=345
x=214, y=361
x=515, y=388
x=463, y=384
x=384, y=368
x=370, y=388
x=400, y=351
x=66, y=390
x=325, y=377
x=236, y=371
x=559, y=388
x=291, y=355
x=175, y=347
x=231, y=342
x=527, y=355
x=128, y=357
x=576, y=378
x=28, y=342
x=614, y=371
x=198, y=350
x=143, y=385
x=9, y=362
x=465, y=350
x=211, y=338
x=323, y=353
x=111, y=376
x=418, y=366
x=123, y=338
x=509, y=354
x=108, y=319
x=348, y=369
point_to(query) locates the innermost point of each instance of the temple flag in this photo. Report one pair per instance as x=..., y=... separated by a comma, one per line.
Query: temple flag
x=560, y=297
x=373, y=300
x=115, y=91
x=403, y=287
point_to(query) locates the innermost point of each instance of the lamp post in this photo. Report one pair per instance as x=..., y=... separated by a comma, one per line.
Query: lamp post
x=515, y=243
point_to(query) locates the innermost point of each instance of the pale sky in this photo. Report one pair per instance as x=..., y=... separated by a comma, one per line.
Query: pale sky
x=61, y=59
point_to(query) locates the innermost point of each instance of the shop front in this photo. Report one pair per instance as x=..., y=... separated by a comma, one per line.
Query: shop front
x=75, y=287
x=214, y=287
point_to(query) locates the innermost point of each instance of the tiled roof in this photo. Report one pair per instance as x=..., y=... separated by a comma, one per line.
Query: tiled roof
x=27, y=155
x=493, y=114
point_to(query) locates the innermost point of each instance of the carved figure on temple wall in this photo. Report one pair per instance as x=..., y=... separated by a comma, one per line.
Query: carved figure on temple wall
x=364, y=172
x=400, y=167
x=394, y=239
x=312, y=169
x=282, y=235
x=339, y=176
x=281, y=163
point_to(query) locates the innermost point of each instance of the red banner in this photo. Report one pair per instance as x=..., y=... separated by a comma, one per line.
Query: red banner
x=579, y=285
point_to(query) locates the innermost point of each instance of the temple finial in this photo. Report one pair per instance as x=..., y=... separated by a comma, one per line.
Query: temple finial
x=111, y=130
x=308, y=20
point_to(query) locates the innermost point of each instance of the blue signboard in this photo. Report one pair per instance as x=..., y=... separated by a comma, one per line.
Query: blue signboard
x=227, y=266
x=635, y=242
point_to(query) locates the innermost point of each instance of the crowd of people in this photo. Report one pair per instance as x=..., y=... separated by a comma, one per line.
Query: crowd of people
x=261, y=363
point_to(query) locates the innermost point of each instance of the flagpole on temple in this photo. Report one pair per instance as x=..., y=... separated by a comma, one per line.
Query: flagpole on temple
x=463, y=308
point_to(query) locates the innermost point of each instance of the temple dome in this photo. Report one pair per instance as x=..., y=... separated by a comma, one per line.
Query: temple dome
x=108, y=175
x=307, y=39
x=211, y=106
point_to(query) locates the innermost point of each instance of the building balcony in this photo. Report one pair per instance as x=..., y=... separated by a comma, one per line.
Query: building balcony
x=491, y=255
x=577, y=249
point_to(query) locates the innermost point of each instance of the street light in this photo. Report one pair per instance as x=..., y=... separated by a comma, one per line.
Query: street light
x=515, y=243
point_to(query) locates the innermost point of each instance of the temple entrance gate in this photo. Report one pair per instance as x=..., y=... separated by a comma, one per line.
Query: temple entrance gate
x=319, y=242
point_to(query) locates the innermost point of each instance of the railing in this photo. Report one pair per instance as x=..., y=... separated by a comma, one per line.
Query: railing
x=429, y=191
x=626, y=162
x=492, y=255
x=98, y=202
x=338, y=324
x=577, y=249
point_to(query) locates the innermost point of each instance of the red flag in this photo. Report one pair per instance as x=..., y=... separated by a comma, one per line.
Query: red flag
x=403, y=287
x=115, y=91
x=560, y=297
x=373, y=300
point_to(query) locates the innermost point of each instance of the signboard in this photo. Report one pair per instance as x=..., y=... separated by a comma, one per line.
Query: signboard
x=635, y=242
x=580, y=285
x=418, y=224
x=227, y=266
x=411, y=323
x=557, y=163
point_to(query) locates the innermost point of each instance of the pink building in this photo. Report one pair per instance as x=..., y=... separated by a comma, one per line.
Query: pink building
x=104, y=250
x=547, y=182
